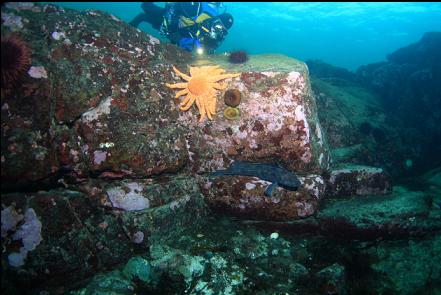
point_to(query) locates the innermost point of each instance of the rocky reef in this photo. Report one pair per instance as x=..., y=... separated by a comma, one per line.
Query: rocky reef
x=408, y=84
x=106, y=184
x=388, y=110
x=358, y=128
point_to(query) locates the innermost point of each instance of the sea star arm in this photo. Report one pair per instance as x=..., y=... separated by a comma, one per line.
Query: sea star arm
x=195, y=71
x=186, y=100
x=211, y=103
x=182, y=92
x=214, y=71
x=201, y=108
x=211, y=109
x=208, y=106
x=188, y=104
x=177, y=85
x=179, y=73
x=219, y=86
x=221, y=77
x=213, y=106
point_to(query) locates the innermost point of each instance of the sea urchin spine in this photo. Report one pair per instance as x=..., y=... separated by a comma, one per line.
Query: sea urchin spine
x=238, y=57
x=16, y=58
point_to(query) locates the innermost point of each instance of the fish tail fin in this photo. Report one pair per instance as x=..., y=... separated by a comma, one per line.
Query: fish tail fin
x=269, y=190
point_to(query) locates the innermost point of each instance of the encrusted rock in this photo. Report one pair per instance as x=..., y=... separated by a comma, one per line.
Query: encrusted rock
x=333, y=279
x=278, y=120
x=109, y=86
x=358, y=180
x=102, y=77
x=244, y=197
x=128, y=197
x=401, y=214
x=407, y=265
x=66, y=233
x=278, y=123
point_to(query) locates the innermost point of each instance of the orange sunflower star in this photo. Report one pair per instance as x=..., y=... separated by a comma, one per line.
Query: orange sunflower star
x=201, y=88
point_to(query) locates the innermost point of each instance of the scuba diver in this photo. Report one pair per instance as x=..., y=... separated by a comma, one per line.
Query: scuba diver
x=193, y=26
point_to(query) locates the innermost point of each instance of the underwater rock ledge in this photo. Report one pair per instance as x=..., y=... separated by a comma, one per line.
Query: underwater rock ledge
x=102, y=110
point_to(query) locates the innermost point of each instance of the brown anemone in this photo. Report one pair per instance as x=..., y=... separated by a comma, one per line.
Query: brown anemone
x=232, y=113
x=232, y=97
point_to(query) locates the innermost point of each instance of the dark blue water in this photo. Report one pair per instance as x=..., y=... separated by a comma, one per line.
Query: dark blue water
x=343, y=34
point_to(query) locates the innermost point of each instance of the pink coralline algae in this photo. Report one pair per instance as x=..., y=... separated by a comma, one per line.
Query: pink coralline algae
x=99, y=157
x=304, y=209
x=129, y=197
x=30, y=235
x=37, y=72
x=273, y=122
x=14, y=22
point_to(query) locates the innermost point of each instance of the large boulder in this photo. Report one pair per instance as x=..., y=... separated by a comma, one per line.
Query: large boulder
x=244, y=197
x=278, y=123
x=96, y=102
x=358, y=181
x=278, y=119
x=106, y=112
x=90, y=108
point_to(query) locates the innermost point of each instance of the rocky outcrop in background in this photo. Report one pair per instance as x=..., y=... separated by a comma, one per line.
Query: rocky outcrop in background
x=409, y=85
x=389, y=111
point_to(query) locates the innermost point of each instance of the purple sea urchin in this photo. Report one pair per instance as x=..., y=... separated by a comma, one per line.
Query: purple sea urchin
x=238, y=57
x=232, y=97
x=16, y=58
